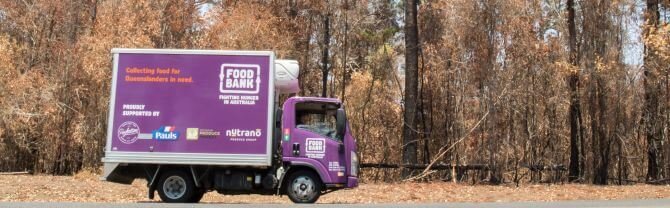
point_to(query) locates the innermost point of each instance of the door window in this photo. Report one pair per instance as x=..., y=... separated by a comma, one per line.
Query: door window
x=319, y=118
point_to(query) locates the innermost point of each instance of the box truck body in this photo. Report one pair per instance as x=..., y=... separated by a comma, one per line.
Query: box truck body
x=176, y=109
x=209, y=120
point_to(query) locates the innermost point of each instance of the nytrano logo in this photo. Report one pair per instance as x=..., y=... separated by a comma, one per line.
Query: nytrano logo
x=165, y=133
x=243, y=133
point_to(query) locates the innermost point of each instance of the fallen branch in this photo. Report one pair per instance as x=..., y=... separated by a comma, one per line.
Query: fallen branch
x=545, y=167
x=659, y=181
x=424, y=166
x=14, y=173
x=625, y=180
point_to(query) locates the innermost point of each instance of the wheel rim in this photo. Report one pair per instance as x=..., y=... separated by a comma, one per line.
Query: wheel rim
x=303, y=187
x=174, y=187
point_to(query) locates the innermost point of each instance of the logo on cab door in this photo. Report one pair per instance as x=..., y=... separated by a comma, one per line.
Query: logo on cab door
x=315, y=147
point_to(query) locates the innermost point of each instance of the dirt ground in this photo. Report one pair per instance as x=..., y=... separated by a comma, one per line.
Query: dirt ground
x=87, y=188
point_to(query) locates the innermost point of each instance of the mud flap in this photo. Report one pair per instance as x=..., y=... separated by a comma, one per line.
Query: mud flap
x=153, y=183
x=281, y=180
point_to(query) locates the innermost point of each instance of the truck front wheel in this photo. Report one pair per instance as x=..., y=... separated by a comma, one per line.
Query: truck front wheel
x=304, y=187
x=176, y=187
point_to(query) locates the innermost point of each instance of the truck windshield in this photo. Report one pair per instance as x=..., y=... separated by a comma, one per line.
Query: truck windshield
x=319, y=118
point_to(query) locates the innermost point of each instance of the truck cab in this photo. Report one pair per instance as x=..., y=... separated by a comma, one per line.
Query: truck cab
x=316, y=138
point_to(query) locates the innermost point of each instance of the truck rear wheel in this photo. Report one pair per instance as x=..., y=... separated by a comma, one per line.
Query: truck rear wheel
x=303, y=187
x=177, y=187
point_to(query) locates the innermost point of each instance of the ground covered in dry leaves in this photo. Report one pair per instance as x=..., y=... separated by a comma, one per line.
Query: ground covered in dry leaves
x=86, y=188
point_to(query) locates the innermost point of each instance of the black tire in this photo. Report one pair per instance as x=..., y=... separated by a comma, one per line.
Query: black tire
x=303, y=187
x=176, y=187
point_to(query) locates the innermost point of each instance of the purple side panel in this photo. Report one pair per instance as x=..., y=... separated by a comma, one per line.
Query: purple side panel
x=194, y=107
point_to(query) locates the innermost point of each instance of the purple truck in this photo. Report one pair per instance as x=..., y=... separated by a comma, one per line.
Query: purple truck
x=193, y=121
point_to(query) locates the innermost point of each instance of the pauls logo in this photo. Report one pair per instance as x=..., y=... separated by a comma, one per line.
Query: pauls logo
x=240, y=78
x=165, y=133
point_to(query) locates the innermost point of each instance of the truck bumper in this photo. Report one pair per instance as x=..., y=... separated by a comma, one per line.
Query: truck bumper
x=352, y=182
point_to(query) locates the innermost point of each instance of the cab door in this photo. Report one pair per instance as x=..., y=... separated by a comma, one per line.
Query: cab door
x=328, y=151
x=316, y=138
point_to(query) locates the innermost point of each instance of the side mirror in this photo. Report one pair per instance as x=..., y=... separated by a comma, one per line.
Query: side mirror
x=341, y=123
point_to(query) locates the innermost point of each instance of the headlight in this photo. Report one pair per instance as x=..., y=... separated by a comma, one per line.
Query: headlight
x=354, y=164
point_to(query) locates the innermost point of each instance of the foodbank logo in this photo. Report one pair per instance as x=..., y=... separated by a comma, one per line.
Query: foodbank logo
x=168, y=133
x=240, y=78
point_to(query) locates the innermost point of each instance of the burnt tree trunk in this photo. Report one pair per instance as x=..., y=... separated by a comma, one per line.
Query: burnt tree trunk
x=324, y=58
x=575, y=170
x=650, y=111
x=344, y=51
x=598, y=29
x=409, y=151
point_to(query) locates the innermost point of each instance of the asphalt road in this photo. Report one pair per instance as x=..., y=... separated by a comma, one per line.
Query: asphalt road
x=613, y=203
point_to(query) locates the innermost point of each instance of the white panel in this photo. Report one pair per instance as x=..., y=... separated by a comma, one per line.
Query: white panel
x=186, y=158
x=286, y=76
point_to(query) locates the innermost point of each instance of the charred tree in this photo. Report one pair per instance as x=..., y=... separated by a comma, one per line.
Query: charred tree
x=650, y=112
x=324, y=58
x=409, y=134
x=575, y=169
x=345, y=50
x=599, y=31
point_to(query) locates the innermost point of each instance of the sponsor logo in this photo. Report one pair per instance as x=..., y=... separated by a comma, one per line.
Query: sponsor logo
x=128, y=132
x=240, y=78
x=191, y=133
x=196, y=133
x=209, y=133
x=315, y=145
x=165, y=133
x=243, y=133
